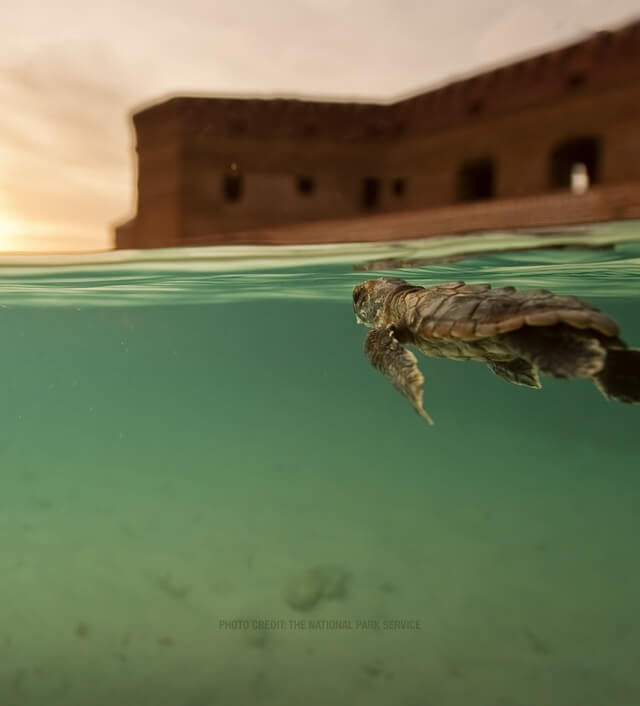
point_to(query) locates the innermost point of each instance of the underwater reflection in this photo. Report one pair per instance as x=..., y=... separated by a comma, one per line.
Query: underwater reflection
x=393, y=263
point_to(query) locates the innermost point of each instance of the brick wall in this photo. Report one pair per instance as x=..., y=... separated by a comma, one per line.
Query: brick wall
x=605, y=203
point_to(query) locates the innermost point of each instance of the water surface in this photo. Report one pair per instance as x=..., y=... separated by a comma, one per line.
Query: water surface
x=187, y=435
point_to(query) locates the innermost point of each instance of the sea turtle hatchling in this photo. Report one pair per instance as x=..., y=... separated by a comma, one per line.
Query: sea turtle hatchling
x=517, y=334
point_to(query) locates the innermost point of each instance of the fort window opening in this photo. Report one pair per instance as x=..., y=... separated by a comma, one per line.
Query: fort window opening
x=476, y=180
x=232, y=186
x=399, y=187
x=306, y=185
x=370, y=193
x=475, y=107
x=568, y=154
x=575, y=81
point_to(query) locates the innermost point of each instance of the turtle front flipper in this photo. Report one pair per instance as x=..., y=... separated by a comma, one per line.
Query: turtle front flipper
x=397, y=364
x=518, y=371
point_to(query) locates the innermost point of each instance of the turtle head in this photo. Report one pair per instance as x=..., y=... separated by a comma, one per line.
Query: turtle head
x=370, y=297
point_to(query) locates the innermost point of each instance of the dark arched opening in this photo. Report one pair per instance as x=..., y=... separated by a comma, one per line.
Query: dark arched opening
x=476, y=180
x=370, y=194
x=306, y=185
x=569, y=153
x=232, y=186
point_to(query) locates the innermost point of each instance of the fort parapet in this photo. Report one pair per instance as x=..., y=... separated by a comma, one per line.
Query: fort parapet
x=514, y=146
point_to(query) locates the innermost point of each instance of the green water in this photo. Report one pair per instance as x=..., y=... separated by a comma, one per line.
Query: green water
x=184, y=440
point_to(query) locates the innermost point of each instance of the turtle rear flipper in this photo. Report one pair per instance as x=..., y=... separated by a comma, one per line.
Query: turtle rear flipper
x=518, y=371
x=620, y=377
x=397, y=364
x=560, y=350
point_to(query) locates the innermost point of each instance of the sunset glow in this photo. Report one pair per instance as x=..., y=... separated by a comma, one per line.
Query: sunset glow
x=9, y=232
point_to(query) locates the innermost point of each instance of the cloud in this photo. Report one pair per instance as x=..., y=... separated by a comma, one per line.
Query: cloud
x=67, y=86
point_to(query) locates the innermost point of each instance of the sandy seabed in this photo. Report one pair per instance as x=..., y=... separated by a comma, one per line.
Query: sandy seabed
x=164, y=589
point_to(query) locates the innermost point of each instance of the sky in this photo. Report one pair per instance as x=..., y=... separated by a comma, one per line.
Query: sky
x=72, y=71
